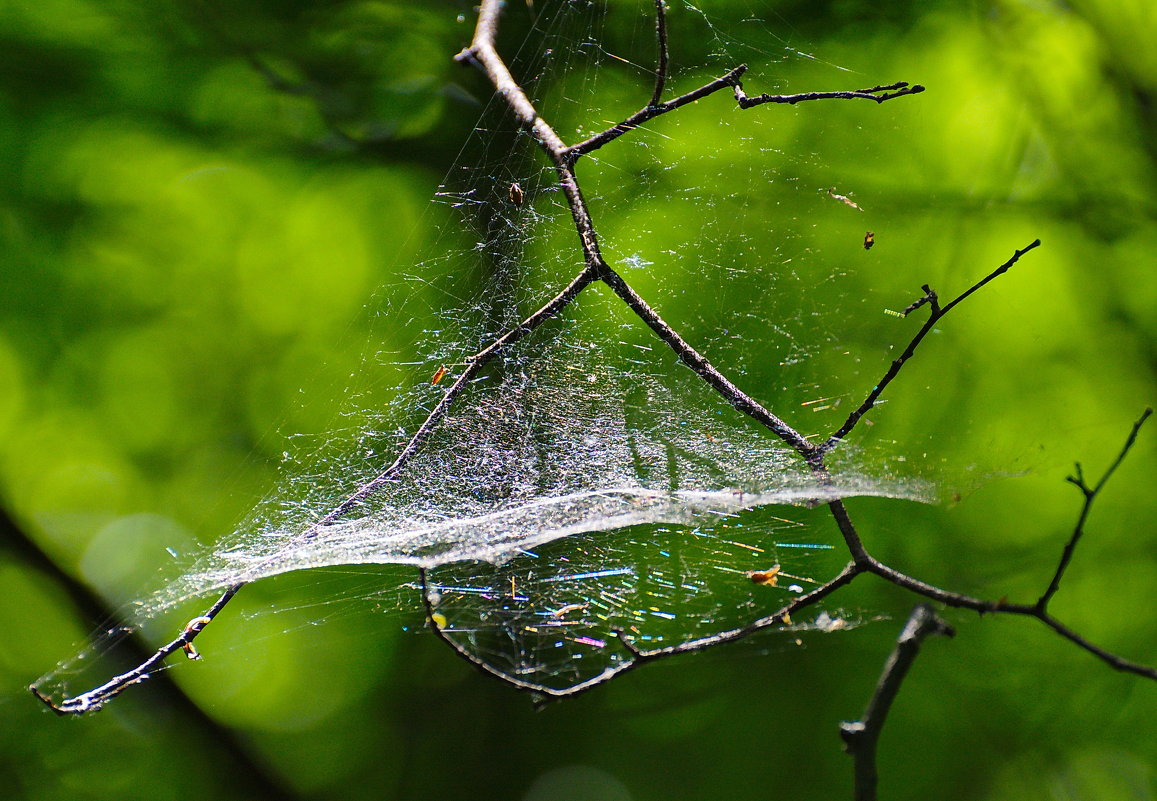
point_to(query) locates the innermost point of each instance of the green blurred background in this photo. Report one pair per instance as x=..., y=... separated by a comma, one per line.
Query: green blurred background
x=198, y=198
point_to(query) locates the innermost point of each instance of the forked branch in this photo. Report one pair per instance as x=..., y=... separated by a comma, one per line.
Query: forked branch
x=1039, y=609
x=1090, y=494
x=863, y=563
x=937, y=313
x=862, y=736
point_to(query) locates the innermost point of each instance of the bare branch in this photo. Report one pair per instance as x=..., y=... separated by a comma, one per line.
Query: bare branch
x=862, y=736
x=652, y=111
x=482, y=52
x=954, y=599
x=848, y=530
x=96, y=698
x=484, y=667
x=699, y=363
x=663, y=66
x=1110, y=659
x=876, y=93
x=842, y=579
x=938, y=312
x=639, y=656
x=1038, y=610
x=865, y=564
x=1090, y=494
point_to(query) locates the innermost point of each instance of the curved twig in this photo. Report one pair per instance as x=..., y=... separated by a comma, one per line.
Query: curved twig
x=639, y=656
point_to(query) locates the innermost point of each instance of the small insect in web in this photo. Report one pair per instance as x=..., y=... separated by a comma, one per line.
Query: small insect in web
x=515, y=194
x=869, y=240
x=439, y=375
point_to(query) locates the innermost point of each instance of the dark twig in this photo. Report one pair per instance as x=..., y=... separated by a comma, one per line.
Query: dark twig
x=1090, y=494
x=862, y=736
x=638, y=656
x=842, y=579
x=94, y=699
x=953, y=599
x=848, y=531
x=249, y=775
x=655, y=108
x=876, y=93
x=992, y=276
x=961, y=601
x=663, y=65
x=486, y=668
x=1038, y=610
x=699, y=363
x=652, y=111
x=473, y=365
x=929, y=298
x=937, y=313
x=1110, y=659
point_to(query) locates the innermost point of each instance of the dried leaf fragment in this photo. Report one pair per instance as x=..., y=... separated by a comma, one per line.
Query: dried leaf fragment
x=847, y=201
x=767, y=578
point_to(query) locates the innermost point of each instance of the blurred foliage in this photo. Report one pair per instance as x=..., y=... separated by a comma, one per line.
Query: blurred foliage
x=198, y=198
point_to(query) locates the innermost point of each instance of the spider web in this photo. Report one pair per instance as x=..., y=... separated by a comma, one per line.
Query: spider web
x=585, y=482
